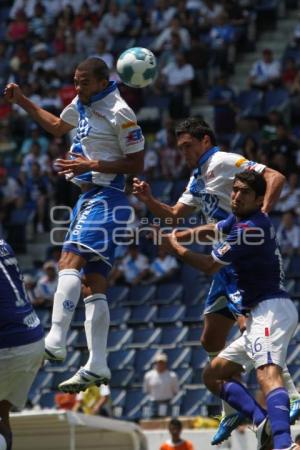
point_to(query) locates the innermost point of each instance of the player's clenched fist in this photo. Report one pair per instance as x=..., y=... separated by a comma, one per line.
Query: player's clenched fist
x=12, y=93
x=141, y=189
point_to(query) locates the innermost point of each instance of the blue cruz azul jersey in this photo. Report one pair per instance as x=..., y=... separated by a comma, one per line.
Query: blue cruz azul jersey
x=251, y=247
x=19, y=324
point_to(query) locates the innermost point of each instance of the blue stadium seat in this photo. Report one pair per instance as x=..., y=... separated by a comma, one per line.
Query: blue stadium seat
x=193, y=314
x=161, y=189
x=168, y=293
x=117, y=294
x=139, y=294
x=144, y=337
x=72, y=360
x=197, y=377
x=294, y=266
x=118, y=400
x=275, y=99
x=120, y=359
x=249, y=102
x=199, y=358
x=46, y=400
x=178, y=357
x=81, y=340
x=44, y=316
x=193, y=401
x=121, y=378
x=58, y=377
x=172, y=336
x=79, y=317
x=117, y=338
x=134, y=402
x=144, y=359
x=169, y=314
x=184, y=375
x=142, y=314
x=42, y=380
x=119, y=315
x=293, y=356
x=178, y=188
x=193, y=336
x=196, y=292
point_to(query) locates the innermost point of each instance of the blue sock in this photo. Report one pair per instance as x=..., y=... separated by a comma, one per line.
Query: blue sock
x=278, y=406
x=239, y=398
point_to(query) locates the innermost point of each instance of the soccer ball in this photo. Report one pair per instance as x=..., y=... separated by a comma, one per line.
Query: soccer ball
x=137, y=67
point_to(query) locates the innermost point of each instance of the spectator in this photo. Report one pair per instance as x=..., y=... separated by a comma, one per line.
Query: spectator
x=289, y=72
x=164, y=40
x=103, y=53
x=18, y=29
x=94, y=400
x=172, y=162
x=265, y=73
x=86, y=40
x=250, y=148
x=64, y=401
x=223, y=99
x=269, y=129
x=132, y=269
x=113, y=23
x=35, y=156
x=222, y=43
x=35, y=135
x=46, y=285
x=176, y=442
x=288, y=234
x=69, y=54
x=290, y=195
x=161, y=385
x=164, y=267
x=282, y=149
x=161, y=16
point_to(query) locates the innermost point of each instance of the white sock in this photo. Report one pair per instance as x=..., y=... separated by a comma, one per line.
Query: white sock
x=96, y=329
x=227, y=410
x=3, y=444
x=289, y=384
x=65, y=301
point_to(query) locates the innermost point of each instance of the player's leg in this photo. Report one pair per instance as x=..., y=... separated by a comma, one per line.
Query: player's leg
x=293, y=395
x=5, y=430
x=65, y=301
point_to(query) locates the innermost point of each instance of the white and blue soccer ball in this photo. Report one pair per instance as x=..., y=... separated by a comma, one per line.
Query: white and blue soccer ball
x=137, y=67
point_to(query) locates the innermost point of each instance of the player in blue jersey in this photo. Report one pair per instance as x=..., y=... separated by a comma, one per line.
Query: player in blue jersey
x=107, y=145
x=250, y=247
x=209, y=191
x=21, y=342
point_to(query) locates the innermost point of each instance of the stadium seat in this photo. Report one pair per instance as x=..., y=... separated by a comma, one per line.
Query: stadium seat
x=46, y=400
x=184, y=375
x=117, y=294
x=167, y=293
x=197, y=377
x=81, y=340
x=196, y=292
x=79, y=317
x=193, y=336
x=139, y=294
x=117, y=338
x=44, y=316
x=121, y=378
x=144, y=337
x=119, y=315
x=120, y=359
x=169, y=314
x=178, y=357
x=118, y=399
x=142, y=314
x=249, y=102
x=275, y=99
x=294, y=266
x=72, y=360
x=161, y=189
x=193, y=402
x=172, y=336
x=144, y=359
x=133, y=406
x=42, y=380
x=58, y=377
x=193, y=314
x=199, y=358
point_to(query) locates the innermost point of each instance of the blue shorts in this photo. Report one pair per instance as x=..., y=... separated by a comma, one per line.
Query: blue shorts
x=99, y=218
x=223, y=286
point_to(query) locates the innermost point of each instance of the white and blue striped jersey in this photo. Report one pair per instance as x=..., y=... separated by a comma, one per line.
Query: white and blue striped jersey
x=209, y=188
x=19, y=324
x=107, y=130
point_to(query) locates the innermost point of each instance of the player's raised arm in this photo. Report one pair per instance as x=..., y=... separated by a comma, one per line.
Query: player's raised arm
x=48, y=121
x=275, y=181
x=143, y=192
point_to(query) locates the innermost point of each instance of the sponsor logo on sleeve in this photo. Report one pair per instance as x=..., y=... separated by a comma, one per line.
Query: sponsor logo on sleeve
x=241, y=161
x=134, y=137
x=224, y=249
x=128, y=125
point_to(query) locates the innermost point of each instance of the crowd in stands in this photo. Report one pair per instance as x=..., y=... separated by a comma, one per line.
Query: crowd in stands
x=197, y=44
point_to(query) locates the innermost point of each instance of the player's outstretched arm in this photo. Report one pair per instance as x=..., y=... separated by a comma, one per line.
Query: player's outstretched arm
x=143, y=192
x=48, y=121
x=203, y=233
x=275, y=181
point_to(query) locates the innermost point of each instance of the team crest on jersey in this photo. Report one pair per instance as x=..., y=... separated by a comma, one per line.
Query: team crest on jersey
x=134, y=137
x=224, y=248
x=69, y=305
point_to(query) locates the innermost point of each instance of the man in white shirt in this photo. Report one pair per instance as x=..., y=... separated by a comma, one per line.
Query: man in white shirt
x=161, y=385
x=108, y=144
x=265, y=72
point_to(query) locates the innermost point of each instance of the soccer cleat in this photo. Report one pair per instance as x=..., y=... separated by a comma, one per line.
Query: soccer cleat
x=226, y=427
x=83, y=379
x=294, y=410
x=264, y=435
x=58, y=354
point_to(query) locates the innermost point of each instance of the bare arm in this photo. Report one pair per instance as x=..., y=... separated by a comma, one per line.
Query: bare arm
x=143, y=192
x=275, y=181
x=48, y=121
x=203, y=233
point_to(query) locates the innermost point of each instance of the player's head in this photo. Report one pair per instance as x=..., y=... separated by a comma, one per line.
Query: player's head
x=91, y=77
x=194, y=138
x=175, y=427
x=248, y=192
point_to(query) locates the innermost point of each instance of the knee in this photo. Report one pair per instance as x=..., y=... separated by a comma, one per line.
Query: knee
x=211, y=343
x=209, y=378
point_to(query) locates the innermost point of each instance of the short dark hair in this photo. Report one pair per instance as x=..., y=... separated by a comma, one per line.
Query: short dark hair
x=96, y=66
x=176, y=423
x=196, y=127
x=254, y=180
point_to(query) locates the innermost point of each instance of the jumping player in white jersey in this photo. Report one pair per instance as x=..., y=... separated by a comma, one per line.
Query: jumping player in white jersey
x=209, y=191
x=108, y=144
x=21, y=342
x=250, y=247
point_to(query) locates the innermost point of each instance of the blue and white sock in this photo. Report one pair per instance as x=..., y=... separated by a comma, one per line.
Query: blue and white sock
x=278, y=407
